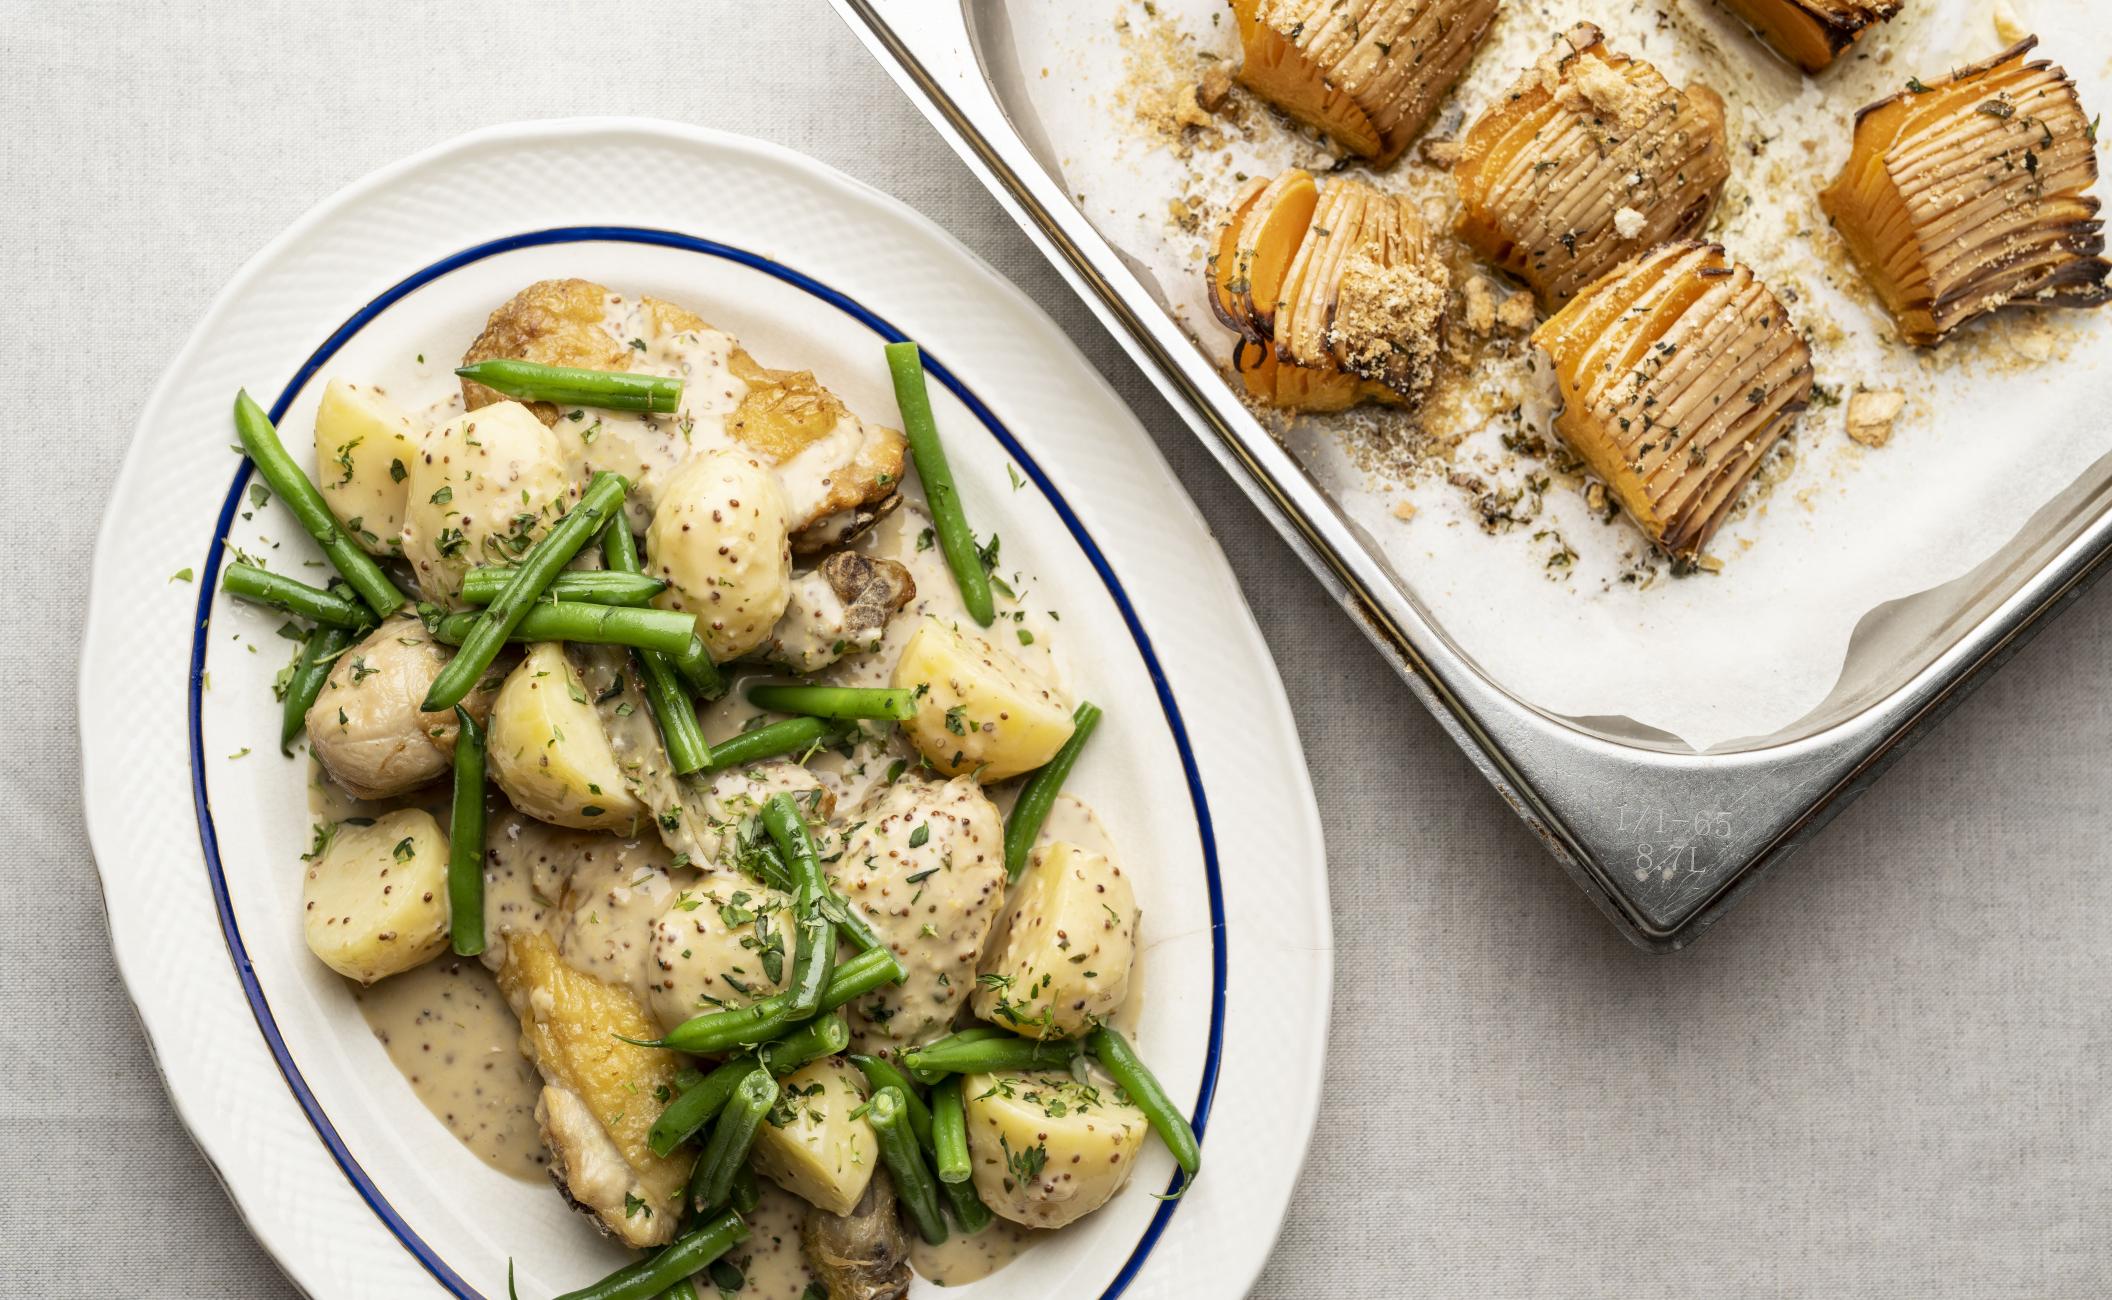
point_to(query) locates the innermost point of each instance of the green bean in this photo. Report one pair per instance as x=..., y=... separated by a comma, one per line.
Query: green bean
x=465, y=840
x=958, y=1039
x=1038, y=795
x=673, y=712
x=792, y=736
x=860, y=975
x=537, y=569
x=814, y=950
x=968, y=1208
x=764, y=862
x=581, y=622
x=683, y=1289
x=611, y=586
x=697, y=1105
x=914, y=1185
x=262, y=443
x=747, y=1193
x=715, y=1032
x=949, y=521
x=895, y=703
x=650, y=1276
x=263, y=587
x=725, y=1030
x=310, y=671
x=881, y=1073
x=699, y=671
x=851, y=923
x=788, y=830
x=1128, y=1069
x=949, y=1131
x=988, y=1055
x=813, y=958
x=605, y=390
x=795, y=845
x=732, y=1134
x=728, y=1279
x=704, y=1097
x=819, y=1037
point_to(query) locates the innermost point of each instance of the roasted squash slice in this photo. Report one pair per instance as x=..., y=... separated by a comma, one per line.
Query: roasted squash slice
x=1265, y=243
x=1678, y=371
x=1590, y=159
x=1812, y=33
x=1964, y=196
x=1228, y=279
x=1368, y=73
x=1338, y=297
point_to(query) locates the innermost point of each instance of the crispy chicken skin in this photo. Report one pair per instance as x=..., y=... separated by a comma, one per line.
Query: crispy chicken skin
x=598, y=1100
x=843, y=466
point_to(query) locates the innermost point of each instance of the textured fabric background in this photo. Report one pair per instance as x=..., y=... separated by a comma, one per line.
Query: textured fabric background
x=1885, y=1075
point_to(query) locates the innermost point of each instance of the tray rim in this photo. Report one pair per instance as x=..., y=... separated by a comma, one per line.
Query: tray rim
x=1549, y=770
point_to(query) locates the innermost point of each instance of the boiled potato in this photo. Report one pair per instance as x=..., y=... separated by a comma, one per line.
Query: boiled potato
x=719, y=538
x=1047, y=1149
x=364, y=448
x=374, y=902
x=483, y=488
x=978, y=709
x=923, y=862
x=548, y=751
x=1058, y=961
x=717, y=945
x=365, y=726
x=810, y=1145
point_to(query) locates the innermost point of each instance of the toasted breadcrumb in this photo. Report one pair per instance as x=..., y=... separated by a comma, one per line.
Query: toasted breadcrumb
x=1387, y=320
x=1870, y=416
x=1608, y=93
x=1214, y=89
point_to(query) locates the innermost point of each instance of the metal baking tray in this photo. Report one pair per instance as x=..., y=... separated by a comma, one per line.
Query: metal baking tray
x=1663, y=839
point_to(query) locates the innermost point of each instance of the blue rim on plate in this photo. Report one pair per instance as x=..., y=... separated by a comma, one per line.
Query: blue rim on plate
x=209, y=839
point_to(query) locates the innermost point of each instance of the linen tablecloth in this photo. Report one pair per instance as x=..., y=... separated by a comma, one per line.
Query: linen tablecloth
x=1885, y=1074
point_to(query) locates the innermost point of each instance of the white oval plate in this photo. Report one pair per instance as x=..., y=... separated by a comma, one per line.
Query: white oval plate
x=1198, y=770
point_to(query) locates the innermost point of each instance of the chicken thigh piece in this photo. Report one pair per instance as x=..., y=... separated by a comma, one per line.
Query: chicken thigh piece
x=836, y=469
x=600, y=1094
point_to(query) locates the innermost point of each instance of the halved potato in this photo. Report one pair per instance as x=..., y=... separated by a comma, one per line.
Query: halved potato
x=979, y=710
x=364, y=447
x=548, y=750
x=374, y=903
x=482, y=489
x=721, y=943
x=1590, y=158
x=1678, y=371
x=1812, y=33
x=1368, y=73
x=1045, y=1149
x=720, y=540
x=1969, y=195
x=811, y=1144
x=1058, y=961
